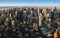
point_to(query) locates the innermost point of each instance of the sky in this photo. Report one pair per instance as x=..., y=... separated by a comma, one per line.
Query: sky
x=29, y=2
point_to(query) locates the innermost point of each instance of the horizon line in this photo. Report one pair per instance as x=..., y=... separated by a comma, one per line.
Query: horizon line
x=4, y=5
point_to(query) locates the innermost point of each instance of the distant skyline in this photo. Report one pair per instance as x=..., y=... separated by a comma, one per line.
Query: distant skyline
x=29, y=2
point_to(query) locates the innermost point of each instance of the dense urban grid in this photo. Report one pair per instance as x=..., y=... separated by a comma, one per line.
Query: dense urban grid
x=29, y=22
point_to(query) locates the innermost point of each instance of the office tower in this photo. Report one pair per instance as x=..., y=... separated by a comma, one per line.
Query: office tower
x=52, y=10
x=35, y=26
x=44, y=12
x=40, y=17
x=15, y=12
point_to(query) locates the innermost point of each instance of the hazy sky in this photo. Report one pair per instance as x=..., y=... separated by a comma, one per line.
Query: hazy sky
x=29, y=2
